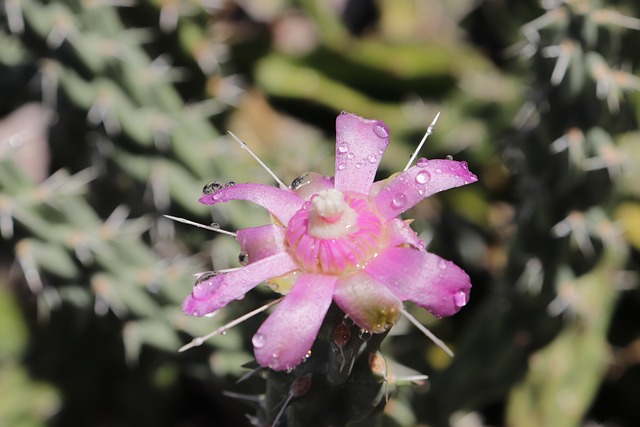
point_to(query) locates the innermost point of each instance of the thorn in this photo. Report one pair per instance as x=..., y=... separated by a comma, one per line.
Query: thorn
x=269, y=171
x=437, y=341
x=424, y=138
x=195, y=224
x=200, y=340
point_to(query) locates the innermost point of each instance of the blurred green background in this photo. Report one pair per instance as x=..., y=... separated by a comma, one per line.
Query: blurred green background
x=114, y=113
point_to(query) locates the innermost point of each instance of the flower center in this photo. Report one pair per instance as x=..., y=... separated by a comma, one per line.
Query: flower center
x=335, y=233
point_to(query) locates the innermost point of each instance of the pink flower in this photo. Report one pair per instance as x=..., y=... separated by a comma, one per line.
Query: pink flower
x=338, y=239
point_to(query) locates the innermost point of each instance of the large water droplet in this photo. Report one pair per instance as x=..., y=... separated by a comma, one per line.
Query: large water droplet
x=211, y=187
x=343, y=148
x=381, y=131
x=399, y=200
x=372, y=158
x=460, y=299
x=258, y=340
x=342, y=166
x=423, y=177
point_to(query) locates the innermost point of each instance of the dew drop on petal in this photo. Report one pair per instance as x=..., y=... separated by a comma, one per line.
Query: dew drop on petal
x=349, y=155
x=211, y=187
x=365, y=335
x=258, y=340
x=343, y=148
x=460, y=299
x=399, y=200
x=423, y=177
x=358, y=165
x=449, y=157
x=381, y=131
x=421, y=191
x=372, y=158
x=464, y=165
x=348, y=321
x=342, y=167
x=422, y=162
x=438, y=170
x=442, y=264
x=243, y=258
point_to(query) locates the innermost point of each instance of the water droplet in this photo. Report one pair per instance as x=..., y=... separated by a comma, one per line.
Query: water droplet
x=299, y=181
x=372, y=158
x=381, y=131
x=399, y=200
x=348, y=321
x=214, y=225
x=365, y=335
x=342, y=167
x=442, y=264
x=258, y=340
x=460, y=299
x=230, y=184
x=223, y=332
x=380, y=151
x=438, y=170
x=464, y=165
x=243, y=258
x=343, y=148
x=449, y=157
x=349, y=155
x=421, y=191
x=465, y=182
x=205, y=277
x=358, y=165
x=422, y=162
x=423, y=177
x=211, y=187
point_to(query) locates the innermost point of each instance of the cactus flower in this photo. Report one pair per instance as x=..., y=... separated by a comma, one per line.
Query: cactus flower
x=337, y=239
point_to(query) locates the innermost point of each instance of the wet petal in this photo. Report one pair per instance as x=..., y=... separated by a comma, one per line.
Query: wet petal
x=370, y=304
x=219, y=290
x=401, y=233
x=426, y=178
x=261, y=242
x=360, y=144
x=431, y=282
x=287, y=335
x=280, y=203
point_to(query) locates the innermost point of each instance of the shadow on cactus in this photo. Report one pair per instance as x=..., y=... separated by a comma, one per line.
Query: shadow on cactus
x=335, y=240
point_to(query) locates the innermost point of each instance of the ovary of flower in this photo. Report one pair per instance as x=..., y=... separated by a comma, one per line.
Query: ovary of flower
x=338, y=239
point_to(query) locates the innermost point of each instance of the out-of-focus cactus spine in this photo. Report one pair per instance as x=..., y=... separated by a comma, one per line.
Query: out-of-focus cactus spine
x=547, y=319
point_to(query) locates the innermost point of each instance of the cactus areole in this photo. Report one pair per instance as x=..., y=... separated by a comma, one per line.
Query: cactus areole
x=337, y=239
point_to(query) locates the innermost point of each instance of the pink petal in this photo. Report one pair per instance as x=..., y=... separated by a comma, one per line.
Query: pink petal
x=219, y=290
x=431, y=282
x=287, y=335
x=370, y=304
x=426, y=178
x=261, y=242
x=360, y=144
x=280, y=203
x=401, y=233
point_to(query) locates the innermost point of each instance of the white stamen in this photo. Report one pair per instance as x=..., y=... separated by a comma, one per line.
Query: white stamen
x=424, y=138
x=329, y=203
x=437, y=341
x=269, y=171
x=200, y=340
x=195, y=224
